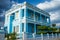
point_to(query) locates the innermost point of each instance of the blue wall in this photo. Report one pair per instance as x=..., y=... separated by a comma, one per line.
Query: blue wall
x=11, y=20
x=30, y=27
x=21, y=13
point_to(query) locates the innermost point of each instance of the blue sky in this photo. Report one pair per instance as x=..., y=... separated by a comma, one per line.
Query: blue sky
x=33, y=2
x=51, y=6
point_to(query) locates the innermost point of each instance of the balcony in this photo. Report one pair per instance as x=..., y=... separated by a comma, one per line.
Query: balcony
x=35, y=17
x=15, y=22
x=30, y=20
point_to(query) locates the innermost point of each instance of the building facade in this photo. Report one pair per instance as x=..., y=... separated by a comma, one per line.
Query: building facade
x=25, y=17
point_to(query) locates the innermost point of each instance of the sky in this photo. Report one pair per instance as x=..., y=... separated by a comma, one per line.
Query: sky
x=50, y=6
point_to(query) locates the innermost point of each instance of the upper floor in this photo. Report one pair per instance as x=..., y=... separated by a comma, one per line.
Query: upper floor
x=27, y=11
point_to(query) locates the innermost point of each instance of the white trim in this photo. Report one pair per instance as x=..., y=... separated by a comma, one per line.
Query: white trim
x=10, y=12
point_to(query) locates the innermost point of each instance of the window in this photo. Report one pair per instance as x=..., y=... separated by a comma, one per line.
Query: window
x=21, y=13
x=16, y=29
x=13, y=15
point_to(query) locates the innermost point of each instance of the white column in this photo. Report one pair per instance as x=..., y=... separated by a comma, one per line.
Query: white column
x=26, y=27
x=25, y=23
x=24, y=36
x=25, y=13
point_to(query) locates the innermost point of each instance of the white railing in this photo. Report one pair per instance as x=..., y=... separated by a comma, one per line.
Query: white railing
x=27, y=36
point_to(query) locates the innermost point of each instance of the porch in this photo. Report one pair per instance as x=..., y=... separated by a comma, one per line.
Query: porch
x=30, y=28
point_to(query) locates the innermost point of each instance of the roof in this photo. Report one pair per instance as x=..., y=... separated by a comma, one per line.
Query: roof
x=17, y=6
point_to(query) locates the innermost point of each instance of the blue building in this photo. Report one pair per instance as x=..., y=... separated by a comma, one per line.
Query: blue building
x=25, y=17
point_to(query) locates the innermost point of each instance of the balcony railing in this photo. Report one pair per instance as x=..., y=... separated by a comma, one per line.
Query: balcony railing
x=29, y=19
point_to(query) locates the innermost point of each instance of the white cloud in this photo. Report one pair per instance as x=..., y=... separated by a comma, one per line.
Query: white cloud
x=53, y=7
x=58, y=24
x=49, y=5
x=55, y=15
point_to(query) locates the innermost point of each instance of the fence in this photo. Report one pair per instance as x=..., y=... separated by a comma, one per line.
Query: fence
x=29, y=36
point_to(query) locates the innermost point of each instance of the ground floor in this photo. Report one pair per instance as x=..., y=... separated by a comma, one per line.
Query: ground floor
x=27, y=27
